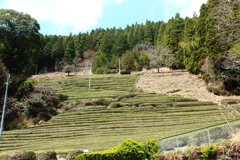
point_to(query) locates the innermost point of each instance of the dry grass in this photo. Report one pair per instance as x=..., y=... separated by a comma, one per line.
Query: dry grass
x=178, y=83
x=55, y=75
x=236, y=137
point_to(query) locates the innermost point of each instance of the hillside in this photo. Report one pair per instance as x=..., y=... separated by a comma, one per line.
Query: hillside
x=178, y=83
x=110, y=112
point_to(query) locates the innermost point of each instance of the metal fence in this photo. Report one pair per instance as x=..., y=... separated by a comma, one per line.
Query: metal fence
x=209, y=135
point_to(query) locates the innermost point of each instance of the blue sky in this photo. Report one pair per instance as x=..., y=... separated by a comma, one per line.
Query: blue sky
x=62, y=17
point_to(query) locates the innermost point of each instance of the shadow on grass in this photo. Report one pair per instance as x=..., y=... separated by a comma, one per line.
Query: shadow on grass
x=62, y=97
x=70, y=75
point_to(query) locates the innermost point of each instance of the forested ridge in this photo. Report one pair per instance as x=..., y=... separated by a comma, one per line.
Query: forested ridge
x=207, y=43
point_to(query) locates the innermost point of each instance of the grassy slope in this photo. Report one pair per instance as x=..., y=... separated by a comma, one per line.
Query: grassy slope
x=99, y=127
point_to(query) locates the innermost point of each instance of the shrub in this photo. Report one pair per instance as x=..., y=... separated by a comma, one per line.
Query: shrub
x=25, y=88
x=207, y=151
x=113, y=70
x=60, y=105
x=107, y=102
x=97, y=102
x=51, y=100
x=147, y=105
x=88, y=103
x=128, y=150
x=99, y=70
x=35, y=121
x=44, y=116
x=50, y=155
x=151, y=149
x=21, y=155
x=52, y=111
x=28, y=84
x=130, y=95
x=118, y=105
x=125, y=72
x=191, y=152
x=173, y=155
x=13, y=109
x=34, y=105
x=72, y=155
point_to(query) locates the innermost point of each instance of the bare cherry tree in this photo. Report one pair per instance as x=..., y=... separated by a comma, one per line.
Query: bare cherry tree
x=159, y=55
x=146, y=47
x=162, y=56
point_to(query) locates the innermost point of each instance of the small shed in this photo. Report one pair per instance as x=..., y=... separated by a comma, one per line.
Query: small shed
x=144, y=68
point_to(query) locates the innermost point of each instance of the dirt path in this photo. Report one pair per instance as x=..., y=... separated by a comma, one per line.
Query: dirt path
x=178, y=83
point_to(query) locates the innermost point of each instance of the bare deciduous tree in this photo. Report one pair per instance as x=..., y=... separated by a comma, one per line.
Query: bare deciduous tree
x=161, y=57
x=229, y=66
x=228, y=22
x=208, y=67
x=146, y=47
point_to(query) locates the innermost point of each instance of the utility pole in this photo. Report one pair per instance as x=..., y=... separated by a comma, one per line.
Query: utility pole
x=90, y=78
x=4, y=105
x=119, y=66
x=209, y=138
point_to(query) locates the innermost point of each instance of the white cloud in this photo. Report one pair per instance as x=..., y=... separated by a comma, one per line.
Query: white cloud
x=119, y=1
x=176, y=2
x=191, y=7
x=185, y=7
x=75, y=14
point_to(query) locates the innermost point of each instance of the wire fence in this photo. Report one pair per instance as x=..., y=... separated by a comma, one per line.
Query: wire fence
x=209, y=135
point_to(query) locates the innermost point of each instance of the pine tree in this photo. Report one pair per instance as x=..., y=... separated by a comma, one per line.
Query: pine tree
x=58, y=50
x=148, y=32
x=80, y=42
x=106, y=43
x=173, y=33
x=69, y=50
x=129, y=61
x=101, y=63
x=120, y=43
x=159, y=33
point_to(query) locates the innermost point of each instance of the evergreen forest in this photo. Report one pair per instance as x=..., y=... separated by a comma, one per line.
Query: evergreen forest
x=207, y=43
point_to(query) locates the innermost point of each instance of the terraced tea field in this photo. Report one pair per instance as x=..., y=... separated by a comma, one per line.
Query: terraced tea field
x=139, y=117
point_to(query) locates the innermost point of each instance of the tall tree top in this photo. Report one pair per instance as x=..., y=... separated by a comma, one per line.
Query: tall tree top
x=20, y=40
